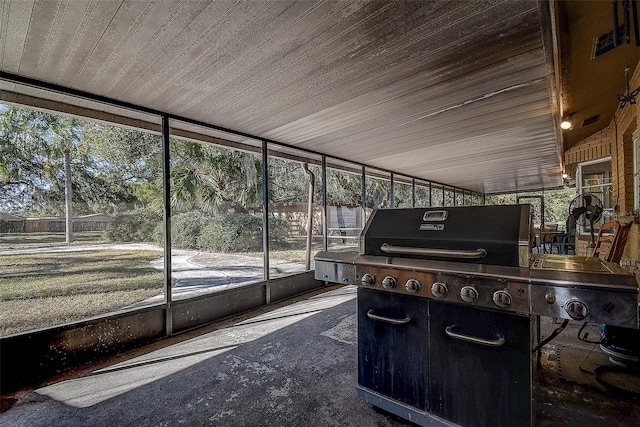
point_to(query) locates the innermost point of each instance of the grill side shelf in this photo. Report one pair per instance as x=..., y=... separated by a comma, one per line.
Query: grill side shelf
x=337, y=269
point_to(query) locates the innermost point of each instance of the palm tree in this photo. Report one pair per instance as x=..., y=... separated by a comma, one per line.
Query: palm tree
x=213, y=179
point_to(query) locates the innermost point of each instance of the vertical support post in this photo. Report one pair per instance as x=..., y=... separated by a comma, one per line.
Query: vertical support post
x=616, y=39
x=325, y=240
x=265, y=220
x=312, y=187
x=413, y=192
x=363, y=197
x=68, y=196
x=166, y=204
x=392, y=201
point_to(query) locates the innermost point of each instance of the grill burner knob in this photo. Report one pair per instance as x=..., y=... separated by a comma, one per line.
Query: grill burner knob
x=412, y=286
x=502, y=299
x=388, y=282
x=439, y=289
x=576, y=309
x=368, y=279
x=468, y=294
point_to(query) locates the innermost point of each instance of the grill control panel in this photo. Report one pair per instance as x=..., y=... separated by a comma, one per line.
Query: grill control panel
x=611, y=299
x=486, y=292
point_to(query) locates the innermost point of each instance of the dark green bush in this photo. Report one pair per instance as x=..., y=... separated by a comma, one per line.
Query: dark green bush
x=225, y=232
x=186, y=229
x=137, y=225
x=279, y=227
x=232, y=232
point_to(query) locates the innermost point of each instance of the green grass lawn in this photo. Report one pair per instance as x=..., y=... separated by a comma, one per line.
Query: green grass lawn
x=48, y=289
x=41, y=240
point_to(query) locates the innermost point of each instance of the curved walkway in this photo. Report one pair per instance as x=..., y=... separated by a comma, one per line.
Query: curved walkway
x=194, y=272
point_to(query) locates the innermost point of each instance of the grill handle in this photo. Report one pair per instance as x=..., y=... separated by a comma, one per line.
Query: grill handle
x=475, y=340
x=404, y=321
x=442, y=253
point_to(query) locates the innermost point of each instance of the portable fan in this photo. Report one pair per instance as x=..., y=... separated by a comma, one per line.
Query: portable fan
x=586, y=207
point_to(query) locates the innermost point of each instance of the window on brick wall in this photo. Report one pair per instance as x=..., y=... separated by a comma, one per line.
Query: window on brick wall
x=594, y=177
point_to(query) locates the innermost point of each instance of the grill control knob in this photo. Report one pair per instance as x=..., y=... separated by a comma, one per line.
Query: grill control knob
x=502, y=299
x=468, y=294
x=388, y=282
x=368, y=279
x=412, y=286
x=576, y=309
x=439, y=289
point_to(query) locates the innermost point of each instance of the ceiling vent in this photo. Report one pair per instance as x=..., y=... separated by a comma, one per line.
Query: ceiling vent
x=604, y=43
x=590, y=120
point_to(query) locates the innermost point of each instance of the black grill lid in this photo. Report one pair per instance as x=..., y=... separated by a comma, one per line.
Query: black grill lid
x=497, y=235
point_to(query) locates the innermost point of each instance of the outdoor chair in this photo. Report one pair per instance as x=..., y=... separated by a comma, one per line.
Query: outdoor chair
x=611, y=241
x=547, y=234
x=567, y=241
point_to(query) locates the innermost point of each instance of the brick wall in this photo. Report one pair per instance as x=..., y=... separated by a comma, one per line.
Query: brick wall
x=624, y=124
x=632, y=249
x=595, y=147
x=614, y=141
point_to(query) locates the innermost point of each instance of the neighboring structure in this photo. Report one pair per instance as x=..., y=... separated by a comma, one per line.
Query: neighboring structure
x=15, y=224
x=11, y=223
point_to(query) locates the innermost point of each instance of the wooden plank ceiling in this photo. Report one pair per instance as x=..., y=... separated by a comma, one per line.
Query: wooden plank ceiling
x=453, y=91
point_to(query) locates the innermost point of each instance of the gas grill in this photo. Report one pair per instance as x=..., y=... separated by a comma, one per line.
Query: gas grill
x=448, y=303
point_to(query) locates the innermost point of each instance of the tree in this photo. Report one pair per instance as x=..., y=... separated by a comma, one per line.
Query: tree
x=556, y=203
x=213, y=179
x=128, y=164
x=100, y=167
x=344, y=188
x=36, y=148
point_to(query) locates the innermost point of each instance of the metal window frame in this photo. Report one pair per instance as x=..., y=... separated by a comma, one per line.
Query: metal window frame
x=166, y=118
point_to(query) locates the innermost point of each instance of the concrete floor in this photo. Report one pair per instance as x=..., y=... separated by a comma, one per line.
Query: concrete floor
x=290, y=365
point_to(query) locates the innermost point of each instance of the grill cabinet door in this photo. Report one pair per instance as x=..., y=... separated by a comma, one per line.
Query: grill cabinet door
x=479, y=385
x=393, y=359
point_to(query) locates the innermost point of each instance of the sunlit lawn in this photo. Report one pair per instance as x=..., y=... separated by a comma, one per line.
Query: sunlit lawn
x=40, y=240
x=48, y=289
